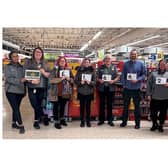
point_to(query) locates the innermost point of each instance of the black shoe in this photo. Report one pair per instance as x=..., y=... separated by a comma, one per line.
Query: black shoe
x=100, y=123
x=154, y=127
x=88, y=124
x=63, y=122
x=45, y=120
x=123, y=124
x=160, y=128
x=57, y=126
x=82, y=124
x=137, y=127
x=111, y=124
x=14, y=125
x=22, y=130
x=36, y=125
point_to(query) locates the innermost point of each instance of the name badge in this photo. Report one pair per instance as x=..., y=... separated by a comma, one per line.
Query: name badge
x=65, y=73
x=106, y=77
x=161, y=80
x=131, y=76
x=86, y=77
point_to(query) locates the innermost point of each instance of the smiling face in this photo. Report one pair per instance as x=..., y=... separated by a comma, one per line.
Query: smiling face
x=62, y=62
x=133, y=55
x=107, y=60
x=86, y=63
x=38, y=54
x=162, y=66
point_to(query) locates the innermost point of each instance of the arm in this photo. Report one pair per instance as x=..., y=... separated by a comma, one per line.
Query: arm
x=143, y=73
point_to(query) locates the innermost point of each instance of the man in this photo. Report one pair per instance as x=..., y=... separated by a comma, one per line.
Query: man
x=132, y=75
x=107, y=76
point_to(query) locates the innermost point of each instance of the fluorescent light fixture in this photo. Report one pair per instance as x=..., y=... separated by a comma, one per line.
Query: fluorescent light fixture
x=9, y=44
x=140, y=41
x=90, y=41
x=90, y=54
x=97, y=35
x=157, y=45
x=84, y=47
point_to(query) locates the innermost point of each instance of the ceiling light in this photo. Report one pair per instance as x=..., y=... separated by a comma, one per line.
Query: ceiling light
x=84, y=47
x=140, y=41
x=97, y=35
x=157, y=45
x=9, y=44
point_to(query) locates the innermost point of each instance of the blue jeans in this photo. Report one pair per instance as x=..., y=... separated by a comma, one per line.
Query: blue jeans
x=15, y=101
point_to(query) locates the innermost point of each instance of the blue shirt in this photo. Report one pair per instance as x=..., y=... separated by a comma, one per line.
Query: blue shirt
x=137, y=68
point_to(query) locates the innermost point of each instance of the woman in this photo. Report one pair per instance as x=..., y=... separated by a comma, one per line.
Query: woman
x=15, y=89
x=107, y=77
x=157, y=92
x=85, y=81
x=61, y=80
x=37, y=88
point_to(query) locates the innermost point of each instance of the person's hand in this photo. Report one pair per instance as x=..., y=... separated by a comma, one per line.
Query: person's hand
x=63, y=77
x=88, y=82
x=111, y=81
x=82, y=82
x=23, y=80
x=42, y=71
x=67, y=78
x=35, y=81
x=101, y=81
x=134, y=81
x=149, y=98
x=166, y=85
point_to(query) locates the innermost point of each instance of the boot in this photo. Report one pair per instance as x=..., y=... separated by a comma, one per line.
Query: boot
x=14, y=125
x=21, y=130
x=57, y=126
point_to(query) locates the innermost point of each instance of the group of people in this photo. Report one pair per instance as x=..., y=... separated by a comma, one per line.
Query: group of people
x=56, y=86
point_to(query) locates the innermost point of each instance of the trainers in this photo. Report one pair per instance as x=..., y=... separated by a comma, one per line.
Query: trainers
x=14, y=125
x=22, y=130
x=100, y=123
x=111, y=124
x=123, y=124
x=57, y=126
x=36, y=125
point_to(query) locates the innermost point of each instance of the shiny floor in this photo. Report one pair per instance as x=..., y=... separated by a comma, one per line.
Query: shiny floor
x=73, y=130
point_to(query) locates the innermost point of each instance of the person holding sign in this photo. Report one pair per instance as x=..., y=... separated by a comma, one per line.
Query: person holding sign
x=157, y=92
x=36, y=73
x=61, y=80
x=85, y=80
x=107, y=77
x=132, y=76
x=15, y=89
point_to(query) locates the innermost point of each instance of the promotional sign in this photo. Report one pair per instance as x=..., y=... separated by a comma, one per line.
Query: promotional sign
x=86, y=77
x=65, y=73
x=161, y=80
x=131, y=76
x=32, y=74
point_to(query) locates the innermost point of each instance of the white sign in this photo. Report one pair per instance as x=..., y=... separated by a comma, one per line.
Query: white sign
x=131, y=76
x=86, y=77
x=32, y=74
x=161, y=80
x=106, y=77
x=65, y=73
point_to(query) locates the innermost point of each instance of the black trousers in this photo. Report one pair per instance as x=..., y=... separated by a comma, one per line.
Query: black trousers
x=85, y=106
x=106, y=102
x=158, y=106
x=36, y=97
x=136, y=96
x=15, y=101
x=59, y=109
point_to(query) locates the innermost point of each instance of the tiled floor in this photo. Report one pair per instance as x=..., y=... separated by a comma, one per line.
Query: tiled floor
x=73, y=130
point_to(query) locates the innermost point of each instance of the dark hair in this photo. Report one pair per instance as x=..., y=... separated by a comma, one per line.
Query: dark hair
x=39, y=48
x=59, y=59
x=159, y=70
x=11, y=53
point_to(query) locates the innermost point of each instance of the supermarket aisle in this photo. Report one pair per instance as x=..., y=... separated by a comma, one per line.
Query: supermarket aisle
x=73, y=130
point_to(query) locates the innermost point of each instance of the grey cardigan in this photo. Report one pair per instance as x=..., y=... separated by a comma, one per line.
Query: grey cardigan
x=158, y=92
x=13, y=75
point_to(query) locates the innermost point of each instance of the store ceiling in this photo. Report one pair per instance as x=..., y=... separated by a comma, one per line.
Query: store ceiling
x=75, y=38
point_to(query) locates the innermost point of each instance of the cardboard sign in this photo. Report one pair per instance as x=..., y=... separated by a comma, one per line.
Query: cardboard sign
x=86, y=77
x=106, y=77
x=65, y=73
x=161, y=80
x=32, y=74
x=131, y=76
